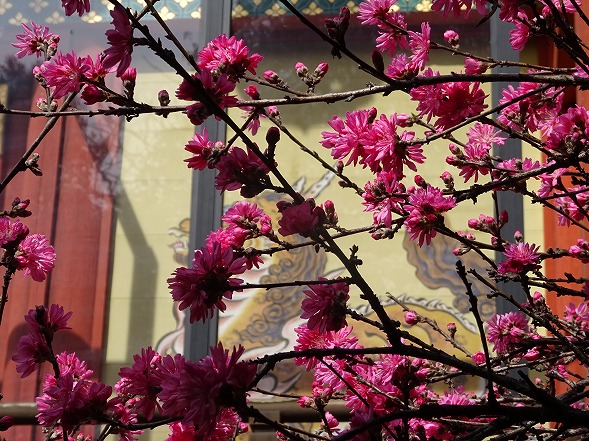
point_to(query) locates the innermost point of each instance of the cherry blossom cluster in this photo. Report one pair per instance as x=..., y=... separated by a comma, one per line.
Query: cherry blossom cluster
x=526, y=363
x=30, y=253
x=70, y=398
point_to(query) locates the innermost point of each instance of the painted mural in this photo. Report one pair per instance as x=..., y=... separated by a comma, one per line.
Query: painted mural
x=264, y=320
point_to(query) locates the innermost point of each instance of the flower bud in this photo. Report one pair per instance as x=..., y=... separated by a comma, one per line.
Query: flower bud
x=518, y=236
x=372, y=112
x=460, y=251
x=272, y=77
x=301, y=69
x=306, y=402
x=452, y=160
x=420, y=181
x=454, y=149
x=273, y=135
x=20, y=205
x=472, y=66
x=19, y=208
x=411, y=318
x=532, y=355
x=451, y=37
x=129, y=77
x=404, y=120
x=92, y=94
x=478, y=358
x=473, y=224
x=265, y=225
x=42, y=105
x=51, y=49
x=452, y=329
x=331, y=215
x=321, y=70
x=336, y=28
x=447, y=178
x=38, y=74
x=273, y=111
x=503, y=217
x=163, y=97
x=252, y=92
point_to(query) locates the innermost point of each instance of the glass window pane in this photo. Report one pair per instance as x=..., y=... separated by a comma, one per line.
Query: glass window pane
x=424, y=278
x=114, y=198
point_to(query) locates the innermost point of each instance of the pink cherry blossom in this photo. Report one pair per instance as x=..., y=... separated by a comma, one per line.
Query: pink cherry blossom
x=428, y=97
x=72, y=402
x=119, y=412
x=521, y=257
x=349, y=134
x=35, y=40
x=203, y=287
x=11, y=232
x=31, y=352
x=459, y=102
x=580, y=250
x=64, y=73
x=202, y=150
x=242, y=171
x=300, y=218
x=169, y=373
x=411, y=318
x=472, y=66
x=138, y=380
x=391, y=37
x=73, y=6
x=242, y=219
x=374, y=12
x=419, y=43
x=485, y=135
x=451, y=37
x=228, y=425
x=34, y=349
x=576, y=208
x=475, y=159
x=35, y=257
x=400, y=67
x=506, y=330
x=520, y=34
x=69, y=364
x=228, y=55
x=216, y=88
x=534, y=112
x=457, y=397
x=570, y=131
x=47, y=320
x=384, y=196
x=425, y=207
x=578, y=315
x=96, y=70
x=325, y=306
x=314, y=339
x=386, y=149
x=209, y=389
x=120, y=40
